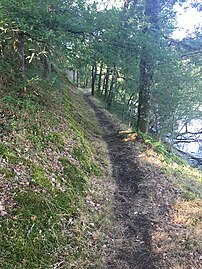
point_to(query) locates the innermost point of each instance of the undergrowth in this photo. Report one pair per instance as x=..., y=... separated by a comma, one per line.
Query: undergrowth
x=188, y=179
x=47, y=166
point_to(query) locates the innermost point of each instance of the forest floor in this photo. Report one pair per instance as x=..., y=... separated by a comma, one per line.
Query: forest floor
x=153, y=223
x=80, y=191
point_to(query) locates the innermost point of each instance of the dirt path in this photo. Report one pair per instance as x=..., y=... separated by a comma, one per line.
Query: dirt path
x=129, y=243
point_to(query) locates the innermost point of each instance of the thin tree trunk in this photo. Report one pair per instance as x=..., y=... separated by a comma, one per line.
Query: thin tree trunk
x=94, y=74
x=85, y=80
x=112, y=88
x=123, y=109
x=106, y=84
x=100, y=78
x=86, y=83
x=77, y=79
x=48, y=65
x=21, y=45
x=74, y=75
x=110, y=94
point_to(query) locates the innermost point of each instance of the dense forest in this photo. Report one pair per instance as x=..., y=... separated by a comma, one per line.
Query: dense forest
x=93, y=96
x=127, y=56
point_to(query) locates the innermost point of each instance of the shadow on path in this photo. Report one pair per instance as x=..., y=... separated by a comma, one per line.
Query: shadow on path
x=130, y=237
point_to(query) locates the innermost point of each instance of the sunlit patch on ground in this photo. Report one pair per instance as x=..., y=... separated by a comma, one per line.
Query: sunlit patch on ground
x=178, y=234
x=179, y=240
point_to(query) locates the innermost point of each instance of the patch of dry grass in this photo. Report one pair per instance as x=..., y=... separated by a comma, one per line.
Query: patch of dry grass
x=177, y=236
x=170, y=196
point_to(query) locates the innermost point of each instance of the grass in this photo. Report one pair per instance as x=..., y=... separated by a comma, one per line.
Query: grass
x=75, y=177
x=177, y=236
x=50, y=170
x=34, y=232
x=190, y=179
x=3, y=149
x=39, y=176
x=27, y=239
x=7, y=173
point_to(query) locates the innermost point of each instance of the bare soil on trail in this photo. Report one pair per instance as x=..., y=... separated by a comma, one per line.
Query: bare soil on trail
x=141, y=203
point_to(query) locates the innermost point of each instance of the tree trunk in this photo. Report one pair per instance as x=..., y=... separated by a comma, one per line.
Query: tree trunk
x=100, y=78
x=77, y=79
x=86, y=78
x=147, y=65
x=21, y=44
x=106, y=84
x=74, y=75
x=112, y=88
x=94, y=74
x=110, y=94
x=86, y=83
x=47, y=61
x=146, y=73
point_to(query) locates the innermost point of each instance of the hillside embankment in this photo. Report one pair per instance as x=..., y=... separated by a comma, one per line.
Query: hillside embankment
x=54, y=180
x=78, y=190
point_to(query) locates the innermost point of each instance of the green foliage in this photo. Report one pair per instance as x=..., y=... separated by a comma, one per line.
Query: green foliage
x=55, y=138
x=39, y=176
x=34, y=229
x=13, y=158
x=83, y=154
x=3, y=149
x=7, y=173
x=112, y=38
x=33, y=216
x=38, y=40
x=73, y=175
x=156, y=145
x=165, y=151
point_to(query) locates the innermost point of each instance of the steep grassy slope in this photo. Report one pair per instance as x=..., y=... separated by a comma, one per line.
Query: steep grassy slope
x=51, y=208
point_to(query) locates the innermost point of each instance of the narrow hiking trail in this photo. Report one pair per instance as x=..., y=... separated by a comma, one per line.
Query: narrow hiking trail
x=134, y=205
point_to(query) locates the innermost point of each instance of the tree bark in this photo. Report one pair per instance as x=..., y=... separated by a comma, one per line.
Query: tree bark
x=146, y=73
x=48, y=65
x=74, y=75
x=146, y=66
x=100, y=78
x=106, y=84
x=112, y=88
x=77, y=79
x=94, y=75
x=21, y=45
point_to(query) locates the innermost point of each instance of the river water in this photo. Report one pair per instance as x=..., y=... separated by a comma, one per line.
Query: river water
x=191, y=143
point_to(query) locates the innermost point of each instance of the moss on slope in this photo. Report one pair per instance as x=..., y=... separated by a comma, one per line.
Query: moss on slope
x=49, y=171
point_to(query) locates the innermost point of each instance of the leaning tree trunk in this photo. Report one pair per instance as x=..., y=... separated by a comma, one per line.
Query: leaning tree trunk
x=147, y=62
